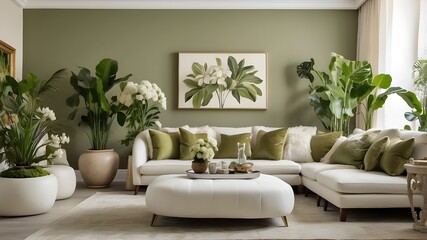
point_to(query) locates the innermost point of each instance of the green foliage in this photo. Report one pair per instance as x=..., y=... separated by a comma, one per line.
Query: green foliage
x=23, y=123
x=419, y=103
x=24, y=172
x=341, y=92
x=239, y=80
x=99, y=111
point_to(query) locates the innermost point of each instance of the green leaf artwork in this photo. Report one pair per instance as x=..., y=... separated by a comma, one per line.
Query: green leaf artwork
x=220, y=81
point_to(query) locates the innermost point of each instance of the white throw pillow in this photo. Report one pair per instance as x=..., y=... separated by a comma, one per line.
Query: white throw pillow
x=297, y=146
x=327, y=157
x=203, y=129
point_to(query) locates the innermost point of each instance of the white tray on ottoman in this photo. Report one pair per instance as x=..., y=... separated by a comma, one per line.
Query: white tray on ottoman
x=179, y=196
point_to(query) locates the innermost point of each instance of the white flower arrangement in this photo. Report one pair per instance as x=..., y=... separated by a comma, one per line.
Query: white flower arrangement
x=139, y=103
x=204, y=150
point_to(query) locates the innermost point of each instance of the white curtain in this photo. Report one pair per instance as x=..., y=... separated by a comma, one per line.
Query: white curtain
x=390, y=36
x=368, y=39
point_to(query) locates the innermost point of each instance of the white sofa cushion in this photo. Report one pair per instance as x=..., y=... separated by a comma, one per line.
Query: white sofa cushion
x=310, y=170
x=297, y=146
x=169, y=166
x=276, y=166
x=360, y=181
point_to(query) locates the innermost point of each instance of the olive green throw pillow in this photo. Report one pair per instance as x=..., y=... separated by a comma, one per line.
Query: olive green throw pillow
x=396, y=155
x=352, y=151
x=269, y=145
x=165, y=145
x=322, y=143
x=374, y=153
x=188, y=139
x=228, y=146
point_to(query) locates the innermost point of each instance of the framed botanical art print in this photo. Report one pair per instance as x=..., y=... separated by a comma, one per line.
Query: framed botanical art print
x=222, y=81
x=7, y=60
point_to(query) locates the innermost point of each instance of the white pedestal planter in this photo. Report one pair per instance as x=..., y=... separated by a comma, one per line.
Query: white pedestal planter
x=27, y=196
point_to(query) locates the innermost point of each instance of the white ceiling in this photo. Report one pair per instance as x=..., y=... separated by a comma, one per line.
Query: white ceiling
x=189, y=4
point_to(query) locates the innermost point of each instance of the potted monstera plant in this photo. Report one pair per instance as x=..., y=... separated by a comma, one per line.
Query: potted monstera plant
x=98, y=166
x=27, y=188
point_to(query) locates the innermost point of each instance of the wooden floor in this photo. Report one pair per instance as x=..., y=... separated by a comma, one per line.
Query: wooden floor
x=14, y=228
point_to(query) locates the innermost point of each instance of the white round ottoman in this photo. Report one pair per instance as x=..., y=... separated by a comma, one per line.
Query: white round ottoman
x=179, y=196
x=66, y=180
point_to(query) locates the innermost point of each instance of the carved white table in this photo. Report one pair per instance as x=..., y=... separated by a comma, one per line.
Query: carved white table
x=417, y=181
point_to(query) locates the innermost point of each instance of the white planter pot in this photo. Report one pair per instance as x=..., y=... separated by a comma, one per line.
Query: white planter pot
x=98, y=167
x=27, y=196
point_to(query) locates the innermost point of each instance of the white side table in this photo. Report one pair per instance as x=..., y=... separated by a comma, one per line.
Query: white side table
x=417, y=181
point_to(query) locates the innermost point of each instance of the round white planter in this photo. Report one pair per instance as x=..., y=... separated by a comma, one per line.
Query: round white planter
x=27, y=196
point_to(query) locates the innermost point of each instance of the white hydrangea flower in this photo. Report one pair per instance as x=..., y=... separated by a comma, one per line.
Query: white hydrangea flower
x=139, y=97
x=131, y=88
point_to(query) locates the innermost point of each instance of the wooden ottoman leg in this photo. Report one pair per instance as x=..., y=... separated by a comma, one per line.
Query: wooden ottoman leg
x=153, y=220
x=285, y=221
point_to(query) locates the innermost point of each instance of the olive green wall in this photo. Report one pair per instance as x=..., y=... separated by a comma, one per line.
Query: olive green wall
x=146, y=43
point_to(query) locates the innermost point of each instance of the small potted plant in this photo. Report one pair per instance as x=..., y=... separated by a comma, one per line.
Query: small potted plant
x=26, y=129
x=203, y=151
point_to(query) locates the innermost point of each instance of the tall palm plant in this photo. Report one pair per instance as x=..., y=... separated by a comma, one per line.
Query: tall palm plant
x=420, y=82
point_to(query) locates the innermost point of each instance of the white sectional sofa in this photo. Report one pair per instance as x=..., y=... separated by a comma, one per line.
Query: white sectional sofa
x=342, y=185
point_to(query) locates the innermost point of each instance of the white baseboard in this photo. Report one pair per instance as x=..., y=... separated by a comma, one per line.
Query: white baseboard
x=120, y=176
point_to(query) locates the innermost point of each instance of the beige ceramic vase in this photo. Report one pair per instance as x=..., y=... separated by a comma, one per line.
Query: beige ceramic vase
x=98, y=167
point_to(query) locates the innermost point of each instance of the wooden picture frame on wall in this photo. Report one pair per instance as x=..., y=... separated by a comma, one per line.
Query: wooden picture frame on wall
x=222, y=80
x=7, y=60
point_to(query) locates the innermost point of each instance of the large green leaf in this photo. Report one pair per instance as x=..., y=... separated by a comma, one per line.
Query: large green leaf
x=106, y=70
x=73, y=100
x=236, y=95
x=190, y=94
x=197, y=99
x=304, y=70
x=322, y=110
x=191, y=83
x=382, y=80
x=362, y=72
x=251, y=79
x=105, y=106
x=232, y=64
x=197, y=68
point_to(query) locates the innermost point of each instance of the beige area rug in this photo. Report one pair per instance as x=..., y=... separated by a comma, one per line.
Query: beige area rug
x=124, y=216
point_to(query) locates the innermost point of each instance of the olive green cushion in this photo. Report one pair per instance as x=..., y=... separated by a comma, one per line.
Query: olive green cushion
x=374, y=153
x=352, y=151
x=321, y=144
x=188, y=139
x=396, y=155
x=165, y=145
x=269, y=145
x=228, y=146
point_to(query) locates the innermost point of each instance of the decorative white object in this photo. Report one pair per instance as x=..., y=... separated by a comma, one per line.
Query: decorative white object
x=241, y=157
x=66, y=178
x=27, y=196
x=297, y=146
x=417, y=181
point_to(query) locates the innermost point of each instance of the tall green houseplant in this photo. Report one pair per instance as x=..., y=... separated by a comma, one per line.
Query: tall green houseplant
x=341, y=92
x=420, y=82
x=99, y=111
